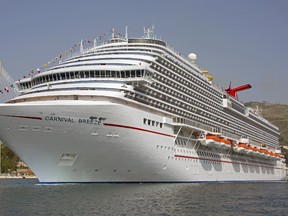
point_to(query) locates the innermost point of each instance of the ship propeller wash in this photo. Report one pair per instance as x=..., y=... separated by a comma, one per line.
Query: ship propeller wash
x=135, y=110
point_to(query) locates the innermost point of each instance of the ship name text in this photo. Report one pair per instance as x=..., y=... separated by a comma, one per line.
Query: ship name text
x=91, y=121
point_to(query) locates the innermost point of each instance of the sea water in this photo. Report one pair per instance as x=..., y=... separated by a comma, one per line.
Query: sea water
x=27, y=197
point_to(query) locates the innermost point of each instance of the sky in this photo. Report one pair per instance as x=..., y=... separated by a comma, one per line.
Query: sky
x=242, y=41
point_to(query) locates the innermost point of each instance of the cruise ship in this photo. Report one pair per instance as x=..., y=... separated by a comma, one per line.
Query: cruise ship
x=133, y=109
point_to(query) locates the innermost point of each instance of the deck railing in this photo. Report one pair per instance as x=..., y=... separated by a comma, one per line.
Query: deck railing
x=178, y=120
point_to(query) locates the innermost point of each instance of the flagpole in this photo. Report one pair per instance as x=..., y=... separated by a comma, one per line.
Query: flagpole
x=0, y=69
x=0, y=156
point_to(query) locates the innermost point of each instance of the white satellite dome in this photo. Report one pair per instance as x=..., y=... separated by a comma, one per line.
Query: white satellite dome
x=192, y=57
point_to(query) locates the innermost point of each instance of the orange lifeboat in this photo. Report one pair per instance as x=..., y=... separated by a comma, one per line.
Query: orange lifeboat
x=250, y=149
x=271, y=154
x=214, y=140
x=242, y=148
x=277, y=155
x=268, y=153
x=262, y=152
x=217, y=141
x=211, y=140
x=225, y=143
x=255, y=150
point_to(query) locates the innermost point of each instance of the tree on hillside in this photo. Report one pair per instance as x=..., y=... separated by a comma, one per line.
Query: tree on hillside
x=8, y=160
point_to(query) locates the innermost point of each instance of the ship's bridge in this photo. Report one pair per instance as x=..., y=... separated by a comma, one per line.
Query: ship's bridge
x=147, y=40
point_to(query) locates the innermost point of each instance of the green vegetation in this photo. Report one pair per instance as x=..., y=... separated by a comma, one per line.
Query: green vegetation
x=277, y=114
x=8, y=160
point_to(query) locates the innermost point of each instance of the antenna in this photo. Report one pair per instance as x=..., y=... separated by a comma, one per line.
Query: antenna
x=113, y=33
x=81, y=47
x=126, y=32
x=148, y=33
x=95, y=42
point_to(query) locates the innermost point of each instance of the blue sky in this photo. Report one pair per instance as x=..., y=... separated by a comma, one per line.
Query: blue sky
x=243, y=41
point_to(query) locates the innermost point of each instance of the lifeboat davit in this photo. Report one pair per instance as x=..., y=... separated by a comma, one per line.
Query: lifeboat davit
x=255, y=150
x=251, y=150
x=242, y=148
x=213, y=140
x=225, y=143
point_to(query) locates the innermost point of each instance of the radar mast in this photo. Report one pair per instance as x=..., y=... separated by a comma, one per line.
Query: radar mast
x=149, y=33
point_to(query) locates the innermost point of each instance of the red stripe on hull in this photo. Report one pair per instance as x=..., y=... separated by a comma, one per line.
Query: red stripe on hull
x=25, y=117
x=136, y=128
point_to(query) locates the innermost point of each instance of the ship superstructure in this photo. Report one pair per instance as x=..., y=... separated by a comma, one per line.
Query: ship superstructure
x=135, y=110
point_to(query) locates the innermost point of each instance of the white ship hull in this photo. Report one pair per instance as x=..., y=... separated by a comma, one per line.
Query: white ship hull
x=62, y=143
x=135, y=110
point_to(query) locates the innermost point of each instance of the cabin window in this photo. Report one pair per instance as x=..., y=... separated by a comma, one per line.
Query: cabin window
x=127, y=74
x=139, y=73
x=77, y=74
x=92, y=73
x=62, y=76
x=133, y=74
x=66, y=75
x=103, y=74
x=118, y=74
x=113, y=74
x=149, y=122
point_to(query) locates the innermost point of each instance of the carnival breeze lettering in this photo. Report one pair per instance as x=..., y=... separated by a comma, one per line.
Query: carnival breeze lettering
x=59, y=119
x=91, y=120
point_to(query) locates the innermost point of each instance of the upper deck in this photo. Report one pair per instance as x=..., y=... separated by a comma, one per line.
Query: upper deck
x=148, y=72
